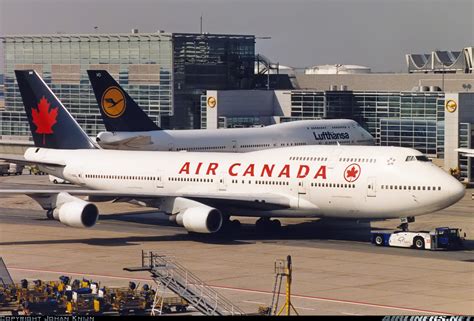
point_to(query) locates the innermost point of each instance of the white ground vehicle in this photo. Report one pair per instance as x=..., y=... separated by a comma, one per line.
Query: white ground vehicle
x=439, y=238
x=57, y=180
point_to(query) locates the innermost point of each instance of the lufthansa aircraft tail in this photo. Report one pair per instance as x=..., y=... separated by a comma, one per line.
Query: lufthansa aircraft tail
x=119, y=111
x=51, y=124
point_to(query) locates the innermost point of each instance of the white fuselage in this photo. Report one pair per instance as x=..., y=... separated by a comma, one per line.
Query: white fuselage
x=319, y=181
x=296, y=133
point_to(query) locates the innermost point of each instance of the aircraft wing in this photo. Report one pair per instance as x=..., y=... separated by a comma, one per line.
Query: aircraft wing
x=260, y=201
x=466, y=151
x=132, y=142
x=19, y=159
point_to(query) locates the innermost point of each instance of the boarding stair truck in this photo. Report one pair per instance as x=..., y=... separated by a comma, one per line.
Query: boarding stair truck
x=441, y=238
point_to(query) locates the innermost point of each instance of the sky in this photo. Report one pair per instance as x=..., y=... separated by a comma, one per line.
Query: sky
x=373, y=33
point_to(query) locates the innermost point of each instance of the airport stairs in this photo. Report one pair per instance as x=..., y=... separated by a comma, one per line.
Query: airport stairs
x=169, y=274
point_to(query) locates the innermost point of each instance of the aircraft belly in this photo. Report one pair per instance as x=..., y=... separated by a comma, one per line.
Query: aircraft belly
x=289, y=213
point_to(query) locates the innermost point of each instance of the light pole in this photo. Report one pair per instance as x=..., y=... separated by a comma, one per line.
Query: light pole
x=268, y=62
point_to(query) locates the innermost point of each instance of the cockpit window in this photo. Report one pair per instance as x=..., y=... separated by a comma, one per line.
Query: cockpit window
x=422, y=158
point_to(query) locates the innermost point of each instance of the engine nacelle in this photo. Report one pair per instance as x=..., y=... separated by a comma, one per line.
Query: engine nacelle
x=74, y=212
x=201, y=219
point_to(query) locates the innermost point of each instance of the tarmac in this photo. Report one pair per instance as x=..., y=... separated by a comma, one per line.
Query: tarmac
x=336, y=271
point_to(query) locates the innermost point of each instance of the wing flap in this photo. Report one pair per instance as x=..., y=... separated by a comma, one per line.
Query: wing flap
x=256, y=200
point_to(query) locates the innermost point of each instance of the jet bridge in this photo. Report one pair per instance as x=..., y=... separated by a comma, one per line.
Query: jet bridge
x=169, y=274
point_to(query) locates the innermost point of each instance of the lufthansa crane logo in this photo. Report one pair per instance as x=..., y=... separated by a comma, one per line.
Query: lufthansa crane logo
x=352, y=173
x=451, y=106
x=211, y=102
x=113, y=102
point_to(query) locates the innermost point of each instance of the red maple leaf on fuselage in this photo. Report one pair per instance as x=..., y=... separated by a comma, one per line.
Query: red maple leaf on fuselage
x=43, y=118
x=352, y=172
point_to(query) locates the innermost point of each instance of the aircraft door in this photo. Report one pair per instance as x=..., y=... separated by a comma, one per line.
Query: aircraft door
x=159, y=180
x=81, y=177
x=234, y=146
x=371, y=187
x=301, y=191
x=170, y=147
x=301, y=187
x=222, y=183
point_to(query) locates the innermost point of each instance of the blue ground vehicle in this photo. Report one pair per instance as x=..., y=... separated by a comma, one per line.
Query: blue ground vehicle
x=440, y=238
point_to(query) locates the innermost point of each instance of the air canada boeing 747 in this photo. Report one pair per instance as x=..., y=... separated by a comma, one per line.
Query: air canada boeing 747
x=201, y=191
x=129, y=128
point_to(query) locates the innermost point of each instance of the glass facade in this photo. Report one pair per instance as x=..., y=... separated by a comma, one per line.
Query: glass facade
x=208, y=61
x=408, y=119
x=466, y=137
x=165, y=73
x=142, y=63
x=308, y=104
x=417, y=134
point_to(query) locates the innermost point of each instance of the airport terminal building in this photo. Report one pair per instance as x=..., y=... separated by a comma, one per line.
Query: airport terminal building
x=166, y=73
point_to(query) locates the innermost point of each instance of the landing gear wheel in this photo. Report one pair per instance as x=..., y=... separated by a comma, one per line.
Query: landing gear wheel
x=276, y=224
x=49, y=214
x=261, y=224
x=264, y=224
x=379, y=240
x=229, y=228
x=419, y=243
x=235, y=225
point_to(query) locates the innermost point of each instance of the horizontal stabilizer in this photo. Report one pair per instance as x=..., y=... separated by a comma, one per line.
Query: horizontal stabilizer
x=18, y=159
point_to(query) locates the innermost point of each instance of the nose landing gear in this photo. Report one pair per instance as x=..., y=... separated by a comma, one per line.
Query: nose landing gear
x=49, y=214
x=404, y=223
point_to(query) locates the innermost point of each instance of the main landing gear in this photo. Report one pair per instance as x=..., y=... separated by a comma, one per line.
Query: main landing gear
x=404, y=223
x=264, y=224
x=229, y=225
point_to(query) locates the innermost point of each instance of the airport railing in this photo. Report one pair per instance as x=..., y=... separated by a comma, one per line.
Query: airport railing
x=167, y=272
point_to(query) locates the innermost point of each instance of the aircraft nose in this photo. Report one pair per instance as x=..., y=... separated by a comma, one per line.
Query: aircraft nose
x=455, y=190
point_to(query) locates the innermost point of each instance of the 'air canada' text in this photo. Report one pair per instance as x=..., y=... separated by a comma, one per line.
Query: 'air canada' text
x=256, y=170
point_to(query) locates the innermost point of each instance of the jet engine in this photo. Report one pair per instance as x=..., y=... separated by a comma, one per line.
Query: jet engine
x=202, y=219
x=73, y=211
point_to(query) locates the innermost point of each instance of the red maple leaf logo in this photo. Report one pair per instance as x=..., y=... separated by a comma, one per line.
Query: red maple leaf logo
x=352, y=172
x=43, y=118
